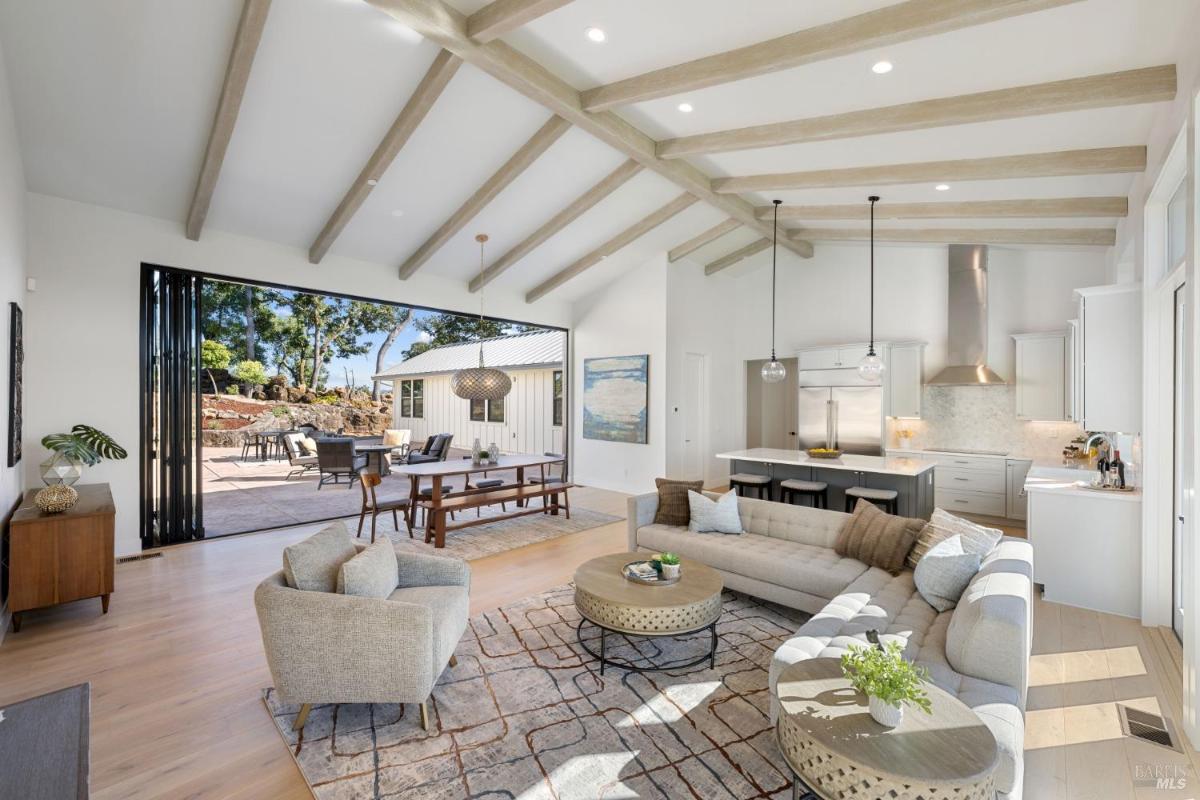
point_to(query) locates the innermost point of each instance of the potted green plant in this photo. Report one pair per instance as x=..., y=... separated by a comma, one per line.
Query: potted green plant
x=887, y=679
x=84, y=445
x=670, y=565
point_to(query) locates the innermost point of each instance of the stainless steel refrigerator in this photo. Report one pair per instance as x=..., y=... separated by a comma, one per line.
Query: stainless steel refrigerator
x=840, y=410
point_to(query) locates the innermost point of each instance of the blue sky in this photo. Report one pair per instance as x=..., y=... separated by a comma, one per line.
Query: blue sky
x=364, y=366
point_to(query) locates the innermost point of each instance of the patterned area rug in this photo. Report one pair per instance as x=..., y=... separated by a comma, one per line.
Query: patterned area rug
x=526, y=715
x=494, y=537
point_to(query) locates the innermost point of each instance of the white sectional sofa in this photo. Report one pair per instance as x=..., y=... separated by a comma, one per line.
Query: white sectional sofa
x=978, y=651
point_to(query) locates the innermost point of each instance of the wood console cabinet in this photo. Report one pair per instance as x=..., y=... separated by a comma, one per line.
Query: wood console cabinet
x=57, y=558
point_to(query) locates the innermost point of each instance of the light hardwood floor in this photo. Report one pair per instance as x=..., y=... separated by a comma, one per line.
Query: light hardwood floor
x=177, y=667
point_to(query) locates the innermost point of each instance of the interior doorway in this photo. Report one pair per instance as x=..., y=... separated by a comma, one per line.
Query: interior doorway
x=1179, y=480
x=695, y=411
x=771, y=408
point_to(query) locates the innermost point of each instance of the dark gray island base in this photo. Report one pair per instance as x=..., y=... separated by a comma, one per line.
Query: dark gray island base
x=912, y=479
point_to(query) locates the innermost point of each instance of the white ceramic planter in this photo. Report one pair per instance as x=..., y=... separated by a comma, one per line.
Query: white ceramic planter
x=670, y=571
x=886, y=715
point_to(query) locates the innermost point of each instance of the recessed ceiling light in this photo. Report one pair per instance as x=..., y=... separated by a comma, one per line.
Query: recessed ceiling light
x=371, y=181
x=685, y=108
x=882, y=67
x=596, y=34
x=943, y=187
x=399, y=212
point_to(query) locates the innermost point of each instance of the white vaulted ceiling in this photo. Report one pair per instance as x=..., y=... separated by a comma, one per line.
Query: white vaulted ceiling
x=115, y=101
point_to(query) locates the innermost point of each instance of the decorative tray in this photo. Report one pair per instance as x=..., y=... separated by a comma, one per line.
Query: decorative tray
x=819, y=452
x=1096, y=488
x=635, y=571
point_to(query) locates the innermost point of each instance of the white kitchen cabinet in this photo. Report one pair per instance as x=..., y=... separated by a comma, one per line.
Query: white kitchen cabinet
x=1041, y=376
x=1074, y=371
x=1017, y=506
x=1110, y=322
x=844, y=356
x=905, y=375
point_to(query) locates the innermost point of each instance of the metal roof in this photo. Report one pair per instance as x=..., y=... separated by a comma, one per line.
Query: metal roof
x=541, y=349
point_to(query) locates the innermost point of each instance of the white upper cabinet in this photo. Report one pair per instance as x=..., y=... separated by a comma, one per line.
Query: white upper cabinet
x=905, y=374
x=1042, y=376
x=844, y=356
x=1110, y=322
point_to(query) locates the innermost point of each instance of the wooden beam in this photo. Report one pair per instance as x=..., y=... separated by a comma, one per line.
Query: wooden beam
x=971, y=209
x=1046, y=236
x=622, y=239
x=444, y=65
x=237, y=73
x=546, y=135
x=594, y=195
x=737, y=255
x=1149, y=85
x=446, y=27
x=1100, y=161
x=901, y=22
x=504, y=16
x=698, y=241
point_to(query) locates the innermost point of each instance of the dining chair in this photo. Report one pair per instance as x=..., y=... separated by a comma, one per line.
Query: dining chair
x=371, y=504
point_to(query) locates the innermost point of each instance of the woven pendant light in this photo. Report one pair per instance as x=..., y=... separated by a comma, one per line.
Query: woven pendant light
x=481, y=383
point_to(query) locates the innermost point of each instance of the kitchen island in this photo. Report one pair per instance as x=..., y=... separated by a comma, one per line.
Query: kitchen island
x=912, y=478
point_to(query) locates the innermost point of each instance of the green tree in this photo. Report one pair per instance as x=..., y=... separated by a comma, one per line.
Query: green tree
x=334, y=327
x=239, y=316
x=444, y=329
x=393, y=319
x=214, y=355
x=251, y=374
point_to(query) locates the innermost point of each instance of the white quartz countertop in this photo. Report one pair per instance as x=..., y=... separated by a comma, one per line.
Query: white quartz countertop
x=882, y=465
x=972, y=453
x=1067, y=481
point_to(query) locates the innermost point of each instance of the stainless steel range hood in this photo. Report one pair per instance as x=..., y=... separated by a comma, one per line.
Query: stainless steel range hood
x=966, y=346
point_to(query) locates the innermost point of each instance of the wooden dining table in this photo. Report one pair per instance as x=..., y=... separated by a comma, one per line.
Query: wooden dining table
x=438, y=471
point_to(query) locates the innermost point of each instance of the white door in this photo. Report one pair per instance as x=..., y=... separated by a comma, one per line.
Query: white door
x=694, y=424
x=1178, y=490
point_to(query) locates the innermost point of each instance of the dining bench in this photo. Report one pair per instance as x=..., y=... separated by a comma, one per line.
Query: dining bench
x=554, y=497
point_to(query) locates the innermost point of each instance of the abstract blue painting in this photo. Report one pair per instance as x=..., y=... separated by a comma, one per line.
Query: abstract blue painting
x=615, y=398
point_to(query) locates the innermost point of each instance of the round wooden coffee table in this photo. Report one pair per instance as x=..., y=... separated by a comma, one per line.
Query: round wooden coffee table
x=834, y=746
x=614, y=604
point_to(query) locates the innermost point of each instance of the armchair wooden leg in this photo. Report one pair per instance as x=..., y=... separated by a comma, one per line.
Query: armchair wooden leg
x=454, y=661
x=425, y=714
x=302, y=717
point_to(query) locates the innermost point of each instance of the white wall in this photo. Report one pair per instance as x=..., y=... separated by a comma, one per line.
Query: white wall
x=627, y=318
x=82, y=323
x=12, y=285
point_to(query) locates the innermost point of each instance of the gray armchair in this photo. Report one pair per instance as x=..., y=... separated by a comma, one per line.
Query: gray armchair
x=333, y=648
x=336, y=457
x=436, y=449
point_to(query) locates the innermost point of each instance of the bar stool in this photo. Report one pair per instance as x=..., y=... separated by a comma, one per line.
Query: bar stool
x=816, y=491
x=885, y=498
x=741, y=481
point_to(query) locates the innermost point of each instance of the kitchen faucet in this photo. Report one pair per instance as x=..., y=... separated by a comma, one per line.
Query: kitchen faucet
x=1104, y=436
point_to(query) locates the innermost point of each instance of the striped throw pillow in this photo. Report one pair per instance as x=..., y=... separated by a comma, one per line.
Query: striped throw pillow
x=942, y=525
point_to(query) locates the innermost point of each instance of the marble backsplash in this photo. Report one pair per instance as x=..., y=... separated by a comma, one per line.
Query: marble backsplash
x=981, y=418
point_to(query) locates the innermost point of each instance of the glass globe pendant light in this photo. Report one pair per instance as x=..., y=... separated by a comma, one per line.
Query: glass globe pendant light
x=773, y=371
x=480, y=383
x=871, y=367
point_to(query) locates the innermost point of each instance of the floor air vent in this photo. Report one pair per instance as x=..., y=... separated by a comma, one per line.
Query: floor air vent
x=1147, y=727
x=138, y=557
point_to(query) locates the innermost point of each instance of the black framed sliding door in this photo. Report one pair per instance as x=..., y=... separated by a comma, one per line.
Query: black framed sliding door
x=171, y=499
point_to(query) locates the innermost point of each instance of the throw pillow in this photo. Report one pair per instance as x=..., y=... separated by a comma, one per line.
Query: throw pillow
x=942, y=525
x=877, y=539
x=372, y=573
x=313, y=564
x=673, y=500
x=944, y=572
x=310, y=446
x=714, y=516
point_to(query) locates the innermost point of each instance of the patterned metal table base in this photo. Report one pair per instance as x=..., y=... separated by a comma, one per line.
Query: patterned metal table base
x=602, y=657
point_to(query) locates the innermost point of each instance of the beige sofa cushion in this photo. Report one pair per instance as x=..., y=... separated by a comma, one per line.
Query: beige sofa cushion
x=800, y=524
x=313, y=564
x=374, y=572
x=877, y=538
x=815, y=570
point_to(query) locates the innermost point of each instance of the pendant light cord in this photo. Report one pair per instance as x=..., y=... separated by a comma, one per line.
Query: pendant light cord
x=774, y=252
x=481, y=238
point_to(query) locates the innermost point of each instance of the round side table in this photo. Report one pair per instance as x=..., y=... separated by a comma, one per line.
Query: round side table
x=833, y=746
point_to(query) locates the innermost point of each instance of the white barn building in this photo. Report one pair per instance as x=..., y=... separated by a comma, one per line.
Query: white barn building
x=529, y=420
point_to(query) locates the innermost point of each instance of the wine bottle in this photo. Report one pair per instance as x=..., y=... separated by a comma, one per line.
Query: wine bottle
x=1117, y=469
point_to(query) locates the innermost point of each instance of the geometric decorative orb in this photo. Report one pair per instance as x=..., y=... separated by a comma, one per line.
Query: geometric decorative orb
x=481, y=383
x=56, y=499
x=59, y=468
x=773, y=372
x=871, y=368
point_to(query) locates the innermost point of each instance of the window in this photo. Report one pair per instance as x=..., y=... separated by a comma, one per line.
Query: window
x=495, y=410
x=1177, y=227
x=558, y=398
x=477, y=410
x=412, y=398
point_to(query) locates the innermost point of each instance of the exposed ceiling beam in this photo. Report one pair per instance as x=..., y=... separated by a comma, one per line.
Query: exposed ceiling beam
x=594, y=195
x=237, y=73
x=529, y=152
x=625, y=237
x=504, y=16
x=1149, y=85
x=701, y=239
x=1064, y=236
x=736, y=256
x=971, y=209
x=1099, y=161
x=446, y=27
x=896, y=23
x=444, y=65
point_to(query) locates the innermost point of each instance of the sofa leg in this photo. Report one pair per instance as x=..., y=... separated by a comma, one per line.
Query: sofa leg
x=302, y=717
x=454, y=661
x=424, y=715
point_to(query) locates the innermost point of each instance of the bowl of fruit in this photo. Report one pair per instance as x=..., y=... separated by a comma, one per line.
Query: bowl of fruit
x=823, y=452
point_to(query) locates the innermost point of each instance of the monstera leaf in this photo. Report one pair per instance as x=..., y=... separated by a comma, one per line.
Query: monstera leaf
x=85, y=443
